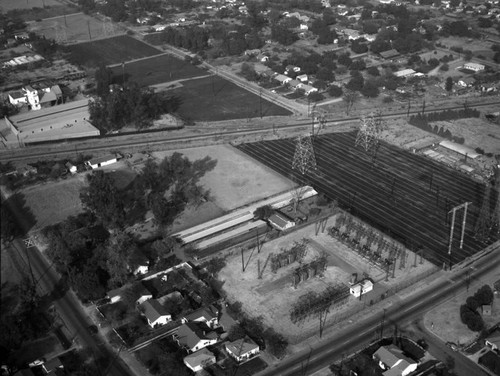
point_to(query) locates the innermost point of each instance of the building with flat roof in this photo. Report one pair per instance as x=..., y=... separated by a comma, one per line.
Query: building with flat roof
x=69, y=120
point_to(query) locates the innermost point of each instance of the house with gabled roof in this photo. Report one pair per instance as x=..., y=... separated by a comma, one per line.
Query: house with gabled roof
x=155, y=313
x=199, y=360
x=207, y=315
x=393, y=362
x=242, y=349
x=194, y=336
x=282, y=79
x=50, y=367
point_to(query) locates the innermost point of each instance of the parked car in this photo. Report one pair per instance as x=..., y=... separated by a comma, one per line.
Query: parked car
x=452, y=346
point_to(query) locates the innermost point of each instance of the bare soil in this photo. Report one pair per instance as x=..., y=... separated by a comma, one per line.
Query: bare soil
x=273, y=296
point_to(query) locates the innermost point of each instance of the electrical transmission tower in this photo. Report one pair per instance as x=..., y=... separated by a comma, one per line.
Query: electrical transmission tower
x=369, y=132
x=304, y=158
x=489, y=221
x=483, y=225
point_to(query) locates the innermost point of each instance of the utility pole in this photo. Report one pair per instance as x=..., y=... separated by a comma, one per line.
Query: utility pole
x=382, y=325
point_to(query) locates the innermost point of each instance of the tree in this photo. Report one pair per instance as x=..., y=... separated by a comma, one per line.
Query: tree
x=236, y=332
x=370, y=89
x=373, y=71
x=356, y=82
x=349, y=97
x=276, y=343
x=335, y=91
x=263, y=212
x=103, y=77
x=8, y=224
x=448, y=84
x=248, y=72
x=103, y=199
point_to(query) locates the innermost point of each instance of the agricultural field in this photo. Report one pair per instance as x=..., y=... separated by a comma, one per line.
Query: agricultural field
x=111, y=51
x=7, y=5
x=402, y=194
x=215, y=99
x=156, y=70
x=272, y=296
x=74, y=28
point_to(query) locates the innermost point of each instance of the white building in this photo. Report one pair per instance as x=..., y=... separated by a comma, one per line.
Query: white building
x=102, y=161
x=155, y=313
x=242, y=349
x=393, y=362
x=362, y=287
x=474, y=67
x=199, y=360
x=280, y=222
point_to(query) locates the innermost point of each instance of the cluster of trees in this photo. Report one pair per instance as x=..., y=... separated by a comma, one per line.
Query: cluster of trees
x=314, y=6
x=267, y=338
x=82, y=249
x=112, y=110
x=469, y=311
x=193, y=38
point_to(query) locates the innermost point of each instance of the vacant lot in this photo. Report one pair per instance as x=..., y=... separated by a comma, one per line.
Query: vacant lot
x=272, y=296
x=215, y=99
x=52, y=203
x=111, y=51
x=156, y=70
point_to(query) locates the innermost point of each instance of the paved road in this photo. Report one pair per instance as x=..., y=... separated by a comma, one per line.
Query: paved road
x=69, y=308
x=357, y=335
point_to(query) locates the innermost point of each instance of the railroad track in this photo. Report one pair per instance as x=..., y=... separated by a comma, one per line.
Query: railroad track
x=167, y=141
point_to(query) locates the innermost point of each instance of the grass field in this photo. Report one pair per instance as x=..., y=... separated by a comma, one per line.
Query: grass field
x=215, y=99
x=6, y=5
x=53, y=202
x=111, y=51
x=72, y=28
x=157, y=69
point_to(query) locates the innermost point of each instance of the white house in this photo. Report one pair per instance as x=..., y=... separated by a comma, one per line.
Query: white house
x=302, y=77
x=199, y=360
x=282, y=79
x=155, y=313
x=493, y=340
x=17, y=98
x=393, y=362
x=308, y=89
x=32, y=97
x=143, y=294
x=207, y=315
x=362, y=287
x=242, y=349
x=193, y=336
x=466, y=81
x=102, y=161
x=280, y=222
x=138, y=263
x=474, y=67
x=159, y=27
x=50, y=367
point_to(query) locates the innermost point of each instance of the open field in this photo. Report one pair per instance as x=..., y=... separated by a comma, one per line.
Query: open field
x=236, y=180
x=272, y=296
x=53, y=202
x=74, y=28
x=6, y=5
x=394, y=193
x=112, y=51
x=157, y=69
x=215, y=99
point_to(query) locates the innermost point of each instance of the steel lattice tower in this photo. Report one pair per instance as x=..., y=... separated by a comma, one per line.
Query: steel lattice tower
x=304, y=158
x=369, y=132
x=482, y=228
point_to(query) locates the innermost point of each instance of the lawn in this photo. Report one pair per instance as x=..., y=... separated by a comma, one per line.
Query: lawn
x=157, y=70
x=7, y=5
x=215, y=99
x=111, y=51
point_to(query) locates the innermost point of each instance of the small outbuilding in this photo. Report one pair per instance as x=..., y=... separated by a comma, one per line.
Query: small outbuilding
x=361, y=288
x=102, y=161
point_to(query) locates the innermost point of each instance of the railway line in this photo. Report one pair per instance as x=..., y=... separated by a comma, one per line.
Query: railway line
x=392, y=193
x=167, y=140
